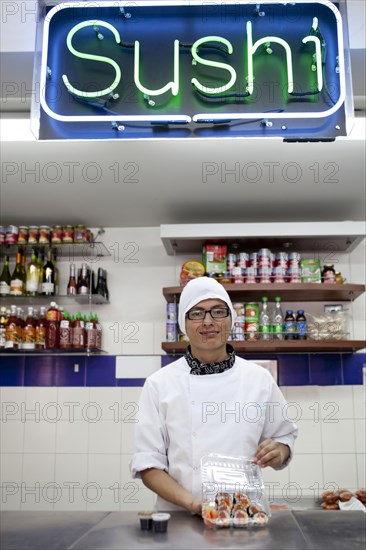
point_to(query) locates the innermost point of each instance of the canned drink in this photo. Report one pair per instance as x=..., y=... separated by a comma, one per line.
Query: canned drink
x=171, y=332
x=264, y=253
x=172, y=313
x=231, y=261
x=281, y=258
x=237, y=274
x=294, y=275
x=251, y=275
x=279, y=274
x=264, y=275
x=243, y=259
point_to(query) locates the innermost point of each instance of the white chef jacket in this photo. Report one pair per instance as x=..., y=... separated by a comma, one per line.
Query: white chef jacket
x=183, y=417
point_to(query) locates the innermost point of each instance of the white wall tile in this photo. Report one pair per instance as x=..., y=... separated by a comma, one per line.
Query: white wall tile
x=72, y=402
x=111, y=336
x=109, y=401
x=137, y=337
x=131, y=394
x=107, y=500
x=71, y=499
x=309, y=437
x=71, y=468
x=143, y=499
x=275, y=481
x=361, y=471
x=159, y=336
x=359, y=401
x=105, y=437
x=128, y=429
x=360, y=431
x=38, y=468
x=338, y=437
x=11, y=465
x=138, y=366
x=307, y=397
x=39, y=437
x=12, y=436
x=10, y=498
x=104, y=469
x=72, y=437
x=340, y=469
x=337, y=401
x=40, y=396
x=306, y=471
x=36, y=502
x=11, y=400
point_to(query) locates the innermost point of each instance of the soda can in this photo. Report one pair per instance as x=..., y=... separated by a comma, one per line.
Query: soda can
x=279, y=274
x=243, y=260
x=294, y=259
x=172, y=313
x=251, y=275
x=264, y=275
x=281, y=258
x=237, y=274
x=264, y=253
x=171, y=332
x=294, y=275
x=231, y=261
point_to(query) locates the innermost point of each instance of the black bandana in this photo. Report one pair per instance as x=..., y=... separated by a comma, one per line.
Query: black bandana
x=199, y=368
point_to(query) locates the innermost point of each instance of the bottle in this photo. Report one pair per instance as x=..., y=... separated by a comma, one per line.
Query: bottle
x=72, y=286
x=17, y=282
x=301, y=325
x=99, y=332
x=29, y=331
x=57, y=273
x=277, y=320
x=20, y=326
x=12, y=340
x=329, y=274
x=52, y=327
x=83, y=285
x=5, y=279
x=41, y=329
x=100, y=283
x=66, y=331
x=264, y=321
x=91, y=333
x=48, y=282
x=78, y=332
x=290, y=325
x=32, y=276
x=3, y=323
x=41, y=262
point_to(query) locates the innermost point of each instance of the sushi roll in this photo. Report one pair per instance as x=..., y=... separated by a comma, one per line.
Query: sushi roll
x=224, y=498
x=223, y=519
x=260, y=518
x=242, y=499
x=209, y=515
x=253, y=509
x=240, y=518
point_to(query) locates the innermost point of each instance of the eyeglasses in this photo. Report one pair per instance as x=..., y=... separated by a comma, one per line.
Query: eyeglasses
x=217, y=312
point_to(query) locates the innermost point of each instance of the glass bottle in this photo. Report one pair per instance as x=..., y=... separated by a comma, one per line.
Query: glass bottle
x=57, y=273
x=12, y=331
x=41, y=329
x=290, y=325
x=91, y=332
x=41, y=262
x=277, y=320
x=72, y=286
x=301, y=325
x=32, y=277
x=99, y=332
x=5, y=279
x=29, y=331
x=17, y=282
x=66, y=331
x=3, y=323
x=48, y=283
x=78, y=332
x=83, y=285
x=264, y=321
x=52, y=327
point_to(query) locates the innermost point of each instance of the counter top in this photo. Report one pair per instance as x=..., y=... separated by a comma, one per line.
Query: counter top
x=302, y=529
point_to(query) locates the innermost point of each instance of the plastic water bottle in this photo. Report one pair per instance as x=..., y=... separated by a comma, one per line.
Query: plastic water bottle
x=277, y=320
x=265, y=332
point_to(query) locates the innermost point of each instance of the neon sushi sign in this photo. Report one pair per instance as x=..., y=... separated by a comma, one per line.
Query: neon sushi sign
x=208, y=63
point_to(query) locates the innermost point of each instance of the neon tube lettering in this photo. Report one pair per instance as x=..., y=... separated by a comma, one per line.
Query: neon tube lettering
x=174, y=86
x=216, y=64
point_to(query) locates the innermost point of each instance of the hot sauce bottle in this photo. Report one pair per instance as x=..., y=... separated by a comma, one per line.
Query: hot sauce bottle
x=53, y=327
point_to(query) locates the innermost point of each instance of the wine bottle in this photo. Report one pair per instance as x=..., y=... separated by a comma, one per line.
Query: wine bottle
x=32, y=277
x=48, y=282
x=72, y=286
x=17, y=282
x=5, y=279
x=83, y=285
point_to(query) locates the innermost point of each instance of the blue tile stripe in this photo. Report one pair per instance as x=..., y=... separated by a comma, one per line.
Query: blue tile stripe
x=325, y=369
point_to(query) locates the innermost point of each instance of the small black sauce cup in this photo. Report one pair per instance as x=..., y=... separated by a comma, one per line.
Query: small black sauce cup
x=146, y=520
x=160, y=522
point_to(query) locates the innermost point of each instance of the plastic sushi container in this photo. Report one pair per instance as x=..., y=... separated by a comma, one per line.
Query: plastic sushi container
x=233, y=492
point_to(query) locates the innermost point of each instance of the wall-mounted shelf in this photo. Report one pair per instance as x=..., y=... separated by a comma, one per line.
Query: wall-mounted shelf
x=280, y=346
x=289, y=292
x=52, y=352
x=89, y=299
x=67, y=251
x=309, y=237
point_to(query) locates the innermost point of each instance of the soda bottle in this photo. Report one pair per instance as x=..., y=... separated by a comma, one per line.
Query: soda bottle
x=301, y=325
x=277, y=320
x=53, y=327
x=290, y=325
x=264, y=321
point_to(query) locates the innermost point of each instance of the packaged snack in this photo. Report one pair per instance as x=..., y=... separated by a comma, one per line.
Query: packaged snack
x=191, y=270
x=232, y=492
x=310, y=271
x=328, y=326
x=214, y=258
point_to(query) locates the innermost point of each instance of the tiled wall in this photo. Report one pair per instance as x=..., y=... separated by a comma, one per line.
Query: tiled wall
x=68, y=448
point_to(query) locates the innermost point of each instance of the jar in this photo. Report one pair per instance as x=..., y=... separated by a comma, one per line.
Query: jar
x=80, y=234
x=56, y=235
x=23, y=234
x=328, y=274
x=33, y=234
x=11, y=235
x=2, y=234
x=44, y=234
x=68, y=234
x=339, y=278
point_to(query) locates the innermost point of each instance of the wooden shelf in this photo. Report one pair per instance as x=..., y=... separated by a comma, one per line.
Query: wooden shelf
x=289, y=292
x=284, y=346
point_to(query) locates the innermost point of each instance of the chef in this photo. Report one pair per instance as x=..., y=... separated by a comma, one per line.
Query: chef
x=208, y=401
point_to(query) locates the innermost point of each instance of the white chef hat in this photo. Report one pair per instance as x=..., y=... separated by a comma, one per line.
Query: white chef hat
x=196, y=290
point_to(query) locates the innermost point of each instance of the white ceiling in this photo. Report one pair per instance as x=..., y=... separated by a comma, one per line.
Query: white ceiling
x=168, y=184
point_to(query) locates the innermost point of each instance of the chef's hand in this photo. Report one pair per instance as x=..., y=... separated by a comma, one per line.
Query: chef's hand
x=196, y=507
x=271, y=453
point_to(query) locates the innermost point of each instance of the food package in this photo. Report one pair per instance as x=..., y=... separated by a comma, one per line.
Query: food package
x=328, y=326
x=191, y=270
x=232, y=492
x=214, y=258
x=310, y=271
